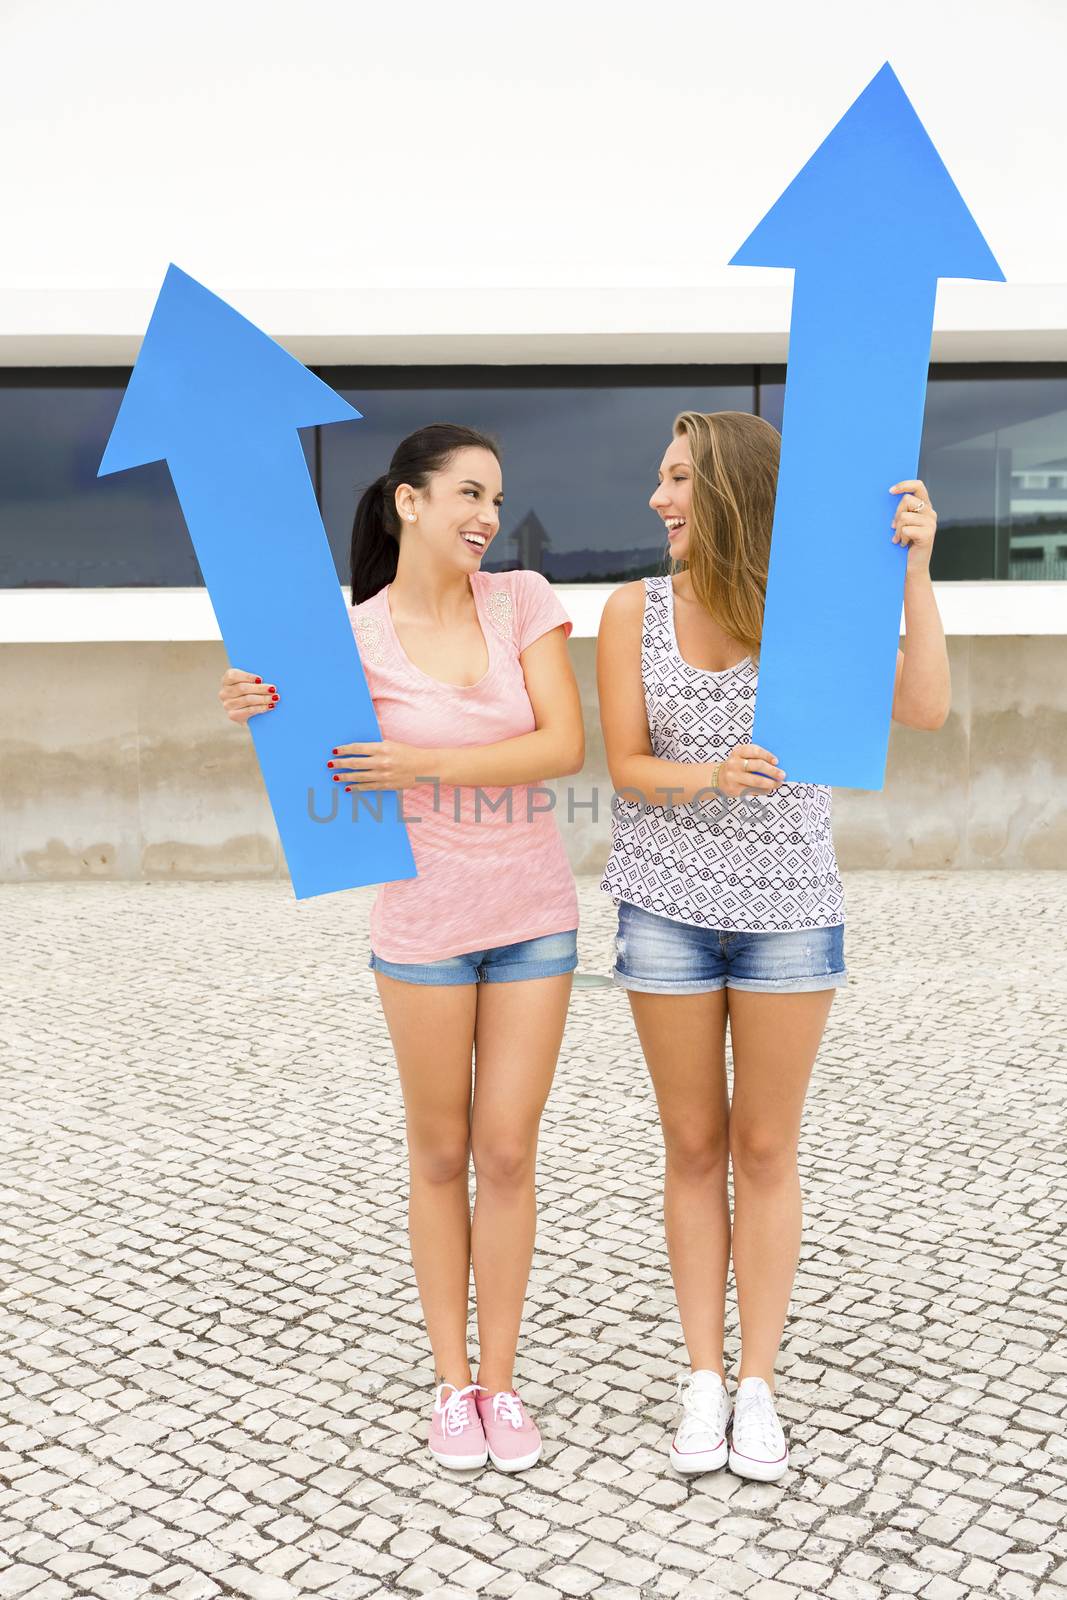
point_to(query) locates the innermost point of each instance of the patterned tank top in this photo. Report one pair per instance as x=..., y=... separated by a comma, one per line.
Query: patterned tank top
x=737, y=864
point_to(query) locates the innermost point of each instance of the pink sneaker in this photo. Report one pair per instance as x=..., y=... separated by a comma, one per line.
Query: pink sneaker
x=513, y=1439
x=457, y=1438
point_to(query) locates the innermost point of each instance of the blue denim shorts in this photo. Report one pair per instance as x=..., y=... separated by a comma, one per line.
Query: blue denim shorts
x=544, y=957
x=659, y=956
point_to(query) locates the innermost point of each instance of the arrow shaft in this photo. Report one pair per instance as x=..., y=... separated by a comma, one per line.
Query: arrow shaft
x=856, y=350
x=852, y=424
x=254, y=521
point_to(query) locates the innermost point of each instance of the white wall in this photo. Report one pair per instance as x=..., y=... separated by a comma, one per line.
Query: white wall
x=94, y=616
x=490, y=181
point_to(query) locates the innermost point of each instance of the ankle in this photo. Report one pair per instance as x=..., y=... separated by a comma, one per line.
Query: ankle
x=768, y=1377
x=457, y=1381
x=505, y=1386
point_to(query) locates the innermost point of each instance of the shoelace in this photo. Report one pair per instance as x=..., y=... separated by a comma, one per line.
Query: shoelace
x=456, y=1409
x=700, y=1405
x=756, y=1410
x=507, y=1408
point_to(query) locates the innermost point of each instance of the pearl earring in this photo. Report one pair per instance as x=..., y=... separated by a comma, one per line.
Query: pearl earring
x=411, y=516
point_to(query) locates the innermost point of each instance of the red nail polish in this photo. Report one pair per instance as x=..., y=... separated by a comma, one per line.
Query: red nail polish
x=348, y=788
x=334, y=752
x=329, y=763
x=259, y=680
x=274, y=700
x=337, y=777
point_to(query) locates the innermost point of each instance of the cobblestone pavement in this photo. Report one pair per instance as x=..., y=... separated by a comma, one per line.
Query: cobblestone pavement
x=213, y=1379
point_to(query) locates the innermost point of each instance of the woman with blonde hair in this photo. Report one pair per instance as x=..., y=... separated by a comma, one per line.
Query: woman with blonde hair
x=731, y=908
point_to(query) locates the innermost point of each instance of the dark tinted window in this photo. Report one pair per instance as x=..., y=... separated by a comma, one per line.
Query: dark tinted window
x=579, y=464
x=580, y=450
x=994, y=457
x=60, y=525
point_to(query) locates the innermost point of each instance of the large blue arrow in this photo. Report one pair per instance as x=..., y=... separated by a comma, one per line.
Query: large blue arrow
x=221, y=403
x=869, y=223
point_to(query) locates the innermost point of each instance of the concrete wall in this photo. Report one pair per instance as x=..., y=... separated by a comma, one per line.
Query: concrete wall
x=118, y=762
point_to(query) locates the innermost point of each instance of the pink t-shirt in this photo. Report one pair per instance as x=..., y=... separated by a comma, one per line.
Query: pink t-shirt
x=483, y=879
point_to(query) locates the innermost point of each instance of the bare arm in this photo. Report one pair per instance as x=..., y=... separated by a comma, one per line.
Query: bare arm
x=556, y=746
x=922, y=693
x=635, y=772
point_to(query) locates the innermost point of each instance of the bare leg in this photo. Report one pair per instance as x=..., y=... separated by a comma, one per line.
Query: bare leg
x=775, y=1039
x=432, y=1029
x=683, y=1038
x=518, y=1035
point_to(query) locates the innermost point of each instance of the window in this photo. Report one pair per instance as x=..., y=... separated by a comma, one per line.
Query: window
x=580, y=449
x=994, y=457
x=62, y=527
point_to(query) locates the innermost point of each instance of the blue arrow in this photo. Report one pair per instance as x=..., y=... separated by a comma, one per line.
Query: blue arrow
x=869, y=223
x=221, y=403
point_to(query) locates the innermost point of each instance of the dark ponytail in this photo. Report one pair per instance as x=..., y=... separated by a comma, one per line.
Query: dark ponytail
x=376, y=529
x=374, y=546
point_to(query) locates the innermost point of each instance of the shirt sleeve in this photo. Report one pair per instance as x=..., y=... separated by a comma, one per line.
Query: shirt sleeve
x=538, y=608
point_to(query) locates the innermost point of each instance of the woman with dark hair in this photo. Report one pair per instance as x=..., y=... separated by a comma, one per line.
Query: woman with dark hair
x=731, y=907
x=477, y=703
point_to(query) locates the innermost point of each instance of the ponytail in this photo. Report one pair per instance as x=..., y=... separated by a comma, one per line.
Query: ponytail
x=376, y=529
x=374, y=542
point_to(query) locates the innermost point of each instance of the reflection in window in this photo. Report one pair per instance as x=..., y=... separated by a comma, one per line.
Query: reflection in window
x=1000, y=471
x=62, y=527
x=994, y=457
x=580, y=450
x=579, y=464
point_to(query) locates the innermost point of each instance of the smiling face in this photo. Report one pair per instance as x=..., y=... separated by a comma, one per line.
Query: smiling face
x=458, y=512
x=673, y=498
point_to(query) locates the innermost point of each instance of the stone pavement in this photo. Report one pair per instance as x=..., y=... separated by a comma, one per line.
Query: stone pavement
x=213, y=1380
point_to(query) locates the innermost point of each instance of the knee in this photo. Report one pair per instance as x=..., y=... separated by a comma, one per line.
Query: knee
x=761, y=1157
x=695, y=1157
x=505, y=1162
x=441, y=1160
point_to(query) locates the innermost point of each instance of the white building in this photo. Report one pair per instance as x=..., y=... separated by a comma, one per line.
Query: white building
x=522, y=218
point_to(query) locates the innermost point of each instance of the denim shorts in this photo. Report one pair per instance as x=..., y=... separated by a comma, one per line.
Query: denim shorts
x=659, y=956
x=544, y=957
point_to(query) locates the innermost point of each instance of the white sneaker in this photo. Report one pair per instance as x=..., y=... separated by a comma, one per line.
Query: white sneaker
x=700, y=1443
x=757, y=1443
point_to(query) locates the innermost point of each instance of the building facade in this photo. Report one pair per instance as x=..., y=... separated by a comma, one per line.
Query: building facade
x=558, y=281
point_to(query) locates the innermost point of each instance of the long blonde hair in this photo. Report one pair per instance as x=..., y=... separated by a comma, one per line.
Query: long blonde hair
x=735, y=477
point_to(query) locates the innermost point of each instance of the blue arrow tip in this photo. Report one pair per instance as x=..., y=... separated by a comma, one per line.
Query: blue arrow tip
x=201, y=366
x=875, y=188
